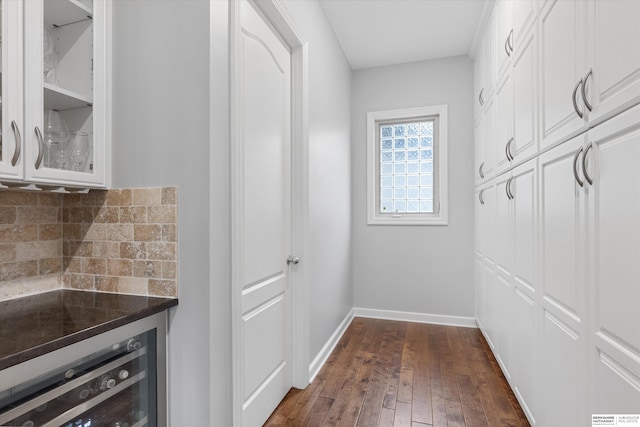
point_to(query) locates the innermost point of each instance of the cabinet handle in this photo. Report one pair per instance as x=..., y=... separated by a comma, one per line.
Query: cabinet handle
x=480, y=197
x=16, y=153
x=40, y=148
x=507, y=150
x=506, y=46
x=584, y=164
x=575, y=103
x=584, y=91
x=575, y=168
x=507, y=189
x=480, y=170
x=510, y=41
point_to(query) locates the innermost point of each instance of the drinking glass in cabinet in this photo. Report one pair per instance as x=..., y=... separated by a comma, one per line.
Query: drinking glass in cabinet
x=77, y=151
x=50, y=57
x=56, y=136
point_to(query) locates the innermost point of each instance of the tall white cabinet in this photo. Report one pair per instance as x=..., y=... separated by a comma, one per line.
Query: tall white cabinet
x=76, y=33
x=557, y=259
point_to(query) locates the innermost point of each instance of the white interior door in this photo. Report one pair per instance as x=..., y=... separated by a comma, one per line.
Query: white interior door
x=264, y=216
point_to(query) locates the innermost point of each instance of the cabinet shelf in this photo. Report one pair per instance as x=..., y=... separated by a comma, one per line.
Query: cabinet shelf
x=57, y=98
x=63, y=12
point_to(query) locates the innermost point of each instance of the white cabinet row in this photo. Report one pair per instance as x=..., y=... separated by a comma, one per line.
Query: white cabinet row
x=548, y=70
x=54, y=59
x=557, y=273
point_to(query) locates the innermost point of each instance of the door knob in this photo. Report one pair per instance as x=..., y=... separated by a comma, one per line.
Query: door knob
x=293, y=260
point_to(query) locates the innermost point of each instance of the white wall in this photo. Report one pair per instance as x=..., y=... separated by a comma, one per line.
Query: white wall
x=169, y=131
x=421, y=269
x=329, y=260
x=161, y=137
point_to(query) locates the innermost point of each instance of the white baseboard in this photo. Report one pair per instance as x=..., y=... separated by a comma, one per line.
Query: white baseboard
x=405, y=316
x=326, y=350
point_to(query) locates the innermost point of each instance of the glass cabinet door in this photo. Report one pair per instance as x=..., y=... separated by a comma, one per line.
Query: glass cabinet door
x=65, y=92
x=11, y=95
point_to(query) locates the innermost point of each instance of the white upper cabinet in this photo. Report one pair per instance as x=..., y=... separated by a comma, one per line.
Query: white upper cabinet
x=612, y=79
x=513, y=20
x=12, y=105
x=478, y=82
x=489, y=62
x=504, y=35
x=524, y=112
x=63, y=91
x=484, y=70
x=523, y=15
x=562, y=36
x=503, y=123
x=590, y=64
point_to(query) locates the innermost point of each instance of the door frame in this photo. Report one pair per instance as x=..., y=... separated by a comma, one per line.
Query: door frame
x=278, y=16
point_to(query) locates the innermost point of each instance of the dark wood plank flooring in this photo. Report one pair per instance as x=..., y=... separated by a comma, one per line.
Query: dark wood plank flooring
x=387, y=373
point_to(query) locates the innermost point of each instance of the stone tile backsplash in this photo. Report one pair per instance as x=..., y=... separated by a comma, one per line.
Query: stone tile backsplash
x=30, y=242
x=122, y=241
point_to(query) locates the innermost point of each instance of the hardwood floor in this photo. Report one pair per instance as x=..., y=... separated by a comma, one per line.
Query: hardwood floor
x=387, y=373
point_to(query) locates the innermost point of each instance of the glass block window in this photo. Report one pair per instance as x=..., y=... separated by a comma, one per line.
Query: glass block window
x=406, y=167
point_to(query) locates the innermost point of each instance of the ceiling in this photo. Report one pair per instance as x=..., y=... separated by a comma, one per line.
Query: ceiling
x=374, y=33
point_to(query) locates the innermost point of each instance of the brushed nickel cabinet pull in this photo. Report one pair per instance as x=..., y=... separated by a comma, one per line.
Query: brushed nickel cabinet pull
x=507, y=150
x=40, y=148
x=575, y=102
x=506, y=189
x=584, y=91
x=16, y=153
x=584, y=164
x=575, y=168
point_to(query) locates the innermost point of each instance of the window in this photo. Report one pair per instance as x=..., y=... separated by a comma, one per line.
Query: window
x=407, y=166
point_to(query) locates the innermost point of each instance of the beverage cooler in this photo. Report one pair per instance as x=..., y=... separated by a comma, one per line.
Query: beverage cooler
x=116, y=385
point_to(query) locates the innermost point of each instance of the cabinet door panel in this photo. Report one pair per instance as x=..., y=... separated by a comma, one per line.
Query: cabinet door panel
x=562, y=68
x=75, y=87
x=523, y=188
x=503, y=235
x=523, y=13
x=562, y=244
x=563, y=386
x=503, y=122
x=617, y=389
x=524, y=141
x=615, y=242
x=502, y=15
x=479, y=150
x=616, y=233
x=489, y=139
x=478, y=74
x=491, y=304
x=614, y=54
x=479, y=288
x=504, y=322
x=11, y=91
x=525, y=351
x=489, y=59
x=489, y=223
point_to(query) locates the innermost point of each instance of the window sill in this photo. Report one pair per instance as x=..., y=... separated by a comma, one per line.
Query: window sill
x=407, y=220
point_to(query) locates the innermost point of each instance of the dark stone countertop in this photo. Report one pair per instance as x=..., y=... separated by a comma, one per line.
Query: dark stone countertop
x=38, y=324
